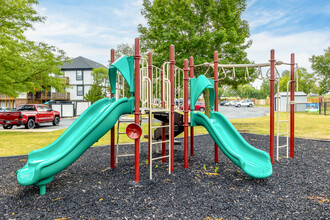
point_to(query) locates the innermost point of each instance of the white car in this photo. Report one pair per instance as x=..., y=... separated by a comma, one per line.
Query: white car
x=247, y=103
x=232, y=103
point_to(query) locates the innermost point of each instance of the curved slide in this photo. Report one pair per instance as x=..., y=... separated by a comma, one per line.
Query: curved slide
x=93, y=124
x=254, y=162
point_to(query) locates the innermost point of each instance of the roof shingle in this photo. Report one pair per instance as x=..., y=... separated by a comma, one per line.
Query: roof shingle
x=82, y=63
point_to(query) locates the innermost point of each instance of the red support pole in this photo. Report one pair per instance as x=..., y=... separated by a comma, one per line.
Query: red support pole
x=149, y=103
x=171, y=132
x=137, y=106
x=192, y=153
x=272, y=102
x=216, y=80
x=185, y=111
x=112, y=135
x=292, y=108
x=163, y=106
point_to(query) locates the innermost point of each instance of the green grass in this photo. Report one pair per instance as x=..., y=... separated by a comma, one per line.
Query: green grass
x=307, y=125
x=265, y=106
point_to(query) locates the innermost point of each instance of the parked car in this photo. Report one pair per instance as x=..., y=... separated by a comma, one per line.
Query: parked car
x=248, y=103
x=227, y=103
x=223, y=103
x=232, y=103
x=179, y=102
x=199, y=106
x=29, y=116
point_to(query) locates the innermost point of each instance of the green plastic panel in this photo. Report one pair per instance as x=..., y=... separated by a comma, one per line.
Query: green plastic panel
x=254, y=162
x=197, y=86
x=95, y=122
x=125, y=65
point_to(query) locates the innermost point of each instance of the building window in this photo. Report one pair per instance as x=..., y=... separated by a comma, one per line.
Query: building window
x=80, y=90
x=79, y=75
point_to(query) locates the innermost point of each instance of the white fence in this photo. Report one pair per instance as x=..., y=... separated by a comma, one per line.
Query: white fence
x=71, y=109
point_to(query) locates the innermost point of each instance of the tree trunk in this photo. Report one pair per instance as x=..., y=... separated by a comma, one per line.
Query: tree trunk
x=206, y=95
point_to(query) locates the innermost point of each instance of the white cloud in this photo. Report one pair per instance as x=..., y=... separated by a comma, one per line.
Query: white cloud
x=92, y=38
x=304, y=45
x=259, y=18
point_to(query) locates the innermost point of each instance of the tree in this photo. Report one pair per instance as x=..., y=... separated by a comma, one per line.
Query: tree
x=96, y=92
x=26, y=66
x=321, y=66
x=306, y=81
x=265, y=89
x=124, y=49
x=197, y=28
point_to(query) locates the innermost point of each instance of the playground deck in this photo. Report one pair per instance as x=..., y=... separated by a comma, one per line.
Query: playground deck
x=298, y=189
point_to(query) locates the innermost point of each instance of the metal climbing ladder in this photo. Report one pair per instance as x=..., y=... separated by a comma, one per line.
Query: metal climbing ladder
x=155, y=98
x=120, y=120
x=285, y=134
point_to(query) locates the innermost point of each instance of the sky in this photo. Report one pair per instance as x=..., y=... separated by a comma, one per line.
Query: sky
x=90, y=28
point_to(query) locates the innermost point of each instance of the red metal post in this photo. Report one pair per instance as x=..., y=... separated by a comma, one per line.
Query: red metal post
x=171, y=132
x=112, y=135
x=216, y=80
x=272, y=102
x=185, y=111
x=191, y=65
x=137, y=106
x=163, y=106
x=149, y=103
x=292, y=108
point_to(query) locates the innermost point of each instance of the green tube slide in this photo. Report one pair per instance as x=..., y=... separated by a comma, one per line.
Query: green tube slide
x=93, y=124
x=254, y=162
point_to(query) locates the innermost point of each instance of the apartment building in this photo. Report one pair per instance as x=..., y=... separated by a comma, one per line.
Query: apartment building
x=77, y=75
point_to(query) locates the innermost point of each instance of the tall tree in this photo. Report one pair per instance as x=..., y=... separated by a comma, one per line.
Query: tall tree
x=197, y=28
x=306, y=81
x=26, y=66
x=321, y=66
x=265, y=89
x=124, y=49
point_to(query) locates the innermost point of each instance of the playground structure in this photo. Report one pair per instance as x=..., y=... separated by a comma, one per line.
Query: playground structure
x=155, y=92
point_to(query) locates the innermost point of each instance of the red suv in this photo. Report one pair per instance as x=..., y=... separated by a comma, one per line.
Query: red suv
x=199, y=106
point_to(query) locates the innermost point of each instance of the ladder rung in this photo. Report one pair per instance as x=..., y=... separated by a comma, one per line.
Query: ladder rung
x=282, y=133
x=157, y=158
x=122, y=133
x=125, y=155
x=284, y=121
x=282, y=146
x=161, y=126
x=159, y=142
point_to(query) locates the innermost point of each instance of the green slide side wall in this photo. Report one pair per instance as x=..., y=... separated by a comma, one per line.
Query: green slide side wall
x=254, y=162
x=125, y=65
x=197, y=86
x=96, y=121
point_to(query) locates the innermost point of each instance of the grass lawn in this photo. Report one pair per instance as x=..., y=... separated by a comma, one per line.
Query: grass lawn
x=264, y=106
x=309, y=125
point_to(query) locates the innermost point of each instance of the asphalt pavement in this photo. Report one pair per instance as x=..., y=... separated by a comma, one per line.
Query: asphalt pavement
x=231, y=112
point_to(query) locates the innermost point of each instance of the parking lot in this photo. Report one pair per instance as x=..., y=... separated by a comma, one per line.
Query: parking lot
x=231, y=112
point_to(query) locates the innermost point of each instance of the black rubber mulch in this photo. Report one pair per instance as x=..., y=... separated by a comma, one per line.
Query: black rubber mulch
x=298, y=189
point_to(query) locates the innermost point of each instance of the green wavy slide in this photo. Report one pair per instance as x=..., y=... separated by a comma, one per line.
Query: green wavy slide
x=93, y=124
x=254, y=162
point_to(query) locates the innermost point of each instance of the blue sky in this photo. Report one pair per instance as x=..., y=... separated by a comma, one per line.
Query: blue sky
x=90, y=28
